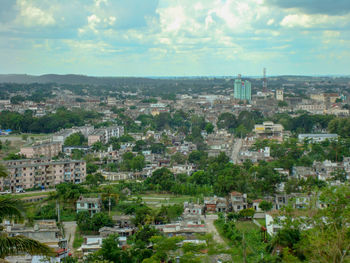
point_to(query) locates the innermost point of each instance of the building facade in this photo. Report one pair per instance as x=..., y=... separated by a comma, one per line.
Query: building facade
x=279, y=95
x=91, y=205
x=105, y=134
x=242, y=90
x=29, y=173
x=47, y=149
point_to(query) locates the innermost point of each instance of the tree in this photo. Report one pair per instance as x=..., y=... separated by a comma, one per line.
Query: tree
x=110, y=249
x=100, y=220
x=138, y=163
x=247, y=213
x=163, y=177
x=209, y=127
x=94, y=179
x=329, y=240
x=99, y=147
x=179, y=158
x=3, y=171
x=10, y=208
x=69, y=192
x=282, y=104
x=75, y=139
x=265, y=205
x=91, y=168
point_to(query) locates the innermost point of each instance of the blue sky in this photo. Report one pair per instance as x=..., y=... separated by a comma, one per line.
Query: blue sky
x=175, y=37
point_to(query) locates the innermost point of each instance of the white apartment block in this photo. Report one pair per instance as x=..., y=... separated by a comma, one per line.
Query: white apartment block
x=105, y=134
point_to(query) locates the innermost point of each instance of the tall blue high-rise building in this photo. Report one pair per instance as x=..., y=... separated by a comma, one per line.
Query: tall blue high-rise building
x=242, y=89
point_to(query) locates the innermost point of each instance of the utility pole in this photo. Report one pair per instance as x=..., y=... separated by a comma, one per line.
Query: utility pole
x=58, y=211
x=244, y=250
x=109, y=205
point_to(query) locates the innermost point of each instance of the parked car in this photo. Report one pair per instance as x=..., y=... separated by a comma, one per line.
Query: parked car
x=20, y=190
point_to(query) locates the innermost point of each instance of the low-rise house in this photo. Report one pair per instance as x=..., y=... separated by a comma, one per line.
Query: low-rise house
x=238, y=201
x=182, y=169
x=319, y=137
x=124, y=220
x=188, y=229
x=269, y=130
x=89, y=204
x=280, y=200
x=303, y=172
x=45, y=231
x=121, y=231
x=256, y=204
x=192, y=209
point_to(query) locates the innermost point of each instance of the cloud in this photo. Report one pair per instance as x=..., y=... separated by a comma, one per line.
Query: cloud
x=31, y=15
x=174, y=37
x=329, y=7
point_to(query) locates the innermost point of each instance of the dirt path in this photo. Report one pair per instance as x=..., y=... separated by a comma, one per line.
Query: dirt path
x=69, y=230
x=235, y=150
x=209, y=220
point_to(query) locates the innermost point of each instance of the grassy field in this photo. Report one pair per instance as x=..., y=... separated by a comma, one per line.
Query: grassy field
x=165, y=199
x=16, y=142
x=252, y=243
x=246, y=226
x=78, y=239
x=262, y=221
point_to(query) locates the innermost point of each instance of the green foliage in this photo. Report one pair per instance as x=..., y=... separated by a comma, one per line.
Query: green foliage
x=75, y=139
x=11, y=208
x=13, y=156
x=94, y=179
x=340, y=126
x=162, y=177
x=94, y=223
x=91, y=168
x=132, y=163
x=99, y=147
x=209, y=127
x=247, y=213
x=265, y=205
x=50, y=123
x=46, y=212
x=282, y=104
x=69, y=192
x=17, y=99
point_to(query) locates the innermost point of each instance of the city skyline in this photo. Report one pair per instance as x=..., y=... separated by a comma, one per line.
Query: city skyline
x=175, y=38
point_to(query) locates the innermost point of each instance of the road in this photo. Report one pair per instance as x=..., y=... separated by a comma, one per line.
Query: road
x=209, y=220
x=35, y=192
x=235, y=150
x=69, y=231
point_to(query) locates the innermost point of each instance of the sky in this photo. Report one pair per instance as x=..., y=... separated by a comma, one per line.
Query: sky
x=175, y=37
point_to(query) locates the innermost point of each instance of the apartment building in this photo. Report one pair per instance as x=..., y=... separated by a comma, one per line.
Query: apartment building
x=28, y=173
x=47, y=149
x=269, y=130
x=62, y=135
x=105, y=134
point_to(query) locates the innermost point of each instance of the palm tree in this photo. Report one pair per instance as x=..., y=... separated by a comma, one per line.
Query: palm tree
x=3, y=172
x=11, y=208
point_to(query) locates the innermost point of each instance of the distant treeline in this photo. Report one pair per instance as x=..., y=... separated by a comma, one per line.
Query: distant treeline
x=63, y=118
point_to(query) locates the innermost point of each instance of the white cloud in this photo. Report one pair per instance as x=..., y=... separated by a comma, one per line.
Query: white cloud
x=314, y=21
x=270, y=22
x=31, y=15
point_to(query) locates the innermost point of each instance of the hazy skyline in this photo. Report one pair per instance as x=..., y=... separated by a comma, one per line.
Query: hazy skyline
x=174, y=37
